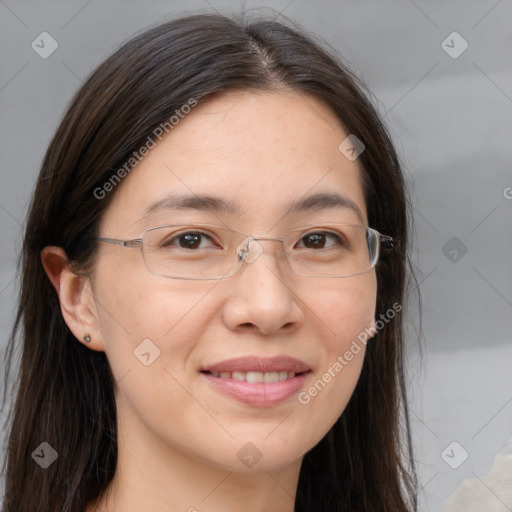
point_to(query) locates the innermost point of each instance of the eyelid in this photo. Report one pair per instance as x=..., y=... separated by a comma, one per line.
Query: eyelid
x=190, y=230
x=341, y=239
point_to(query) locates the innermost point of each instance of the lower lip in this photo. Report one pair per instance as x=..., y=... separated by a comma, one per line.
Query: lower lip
x=261, y=394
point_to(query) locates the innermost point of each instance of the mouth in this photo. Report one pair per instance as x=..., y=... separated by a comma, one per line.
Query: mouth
x=256, y=381
x=255, y=377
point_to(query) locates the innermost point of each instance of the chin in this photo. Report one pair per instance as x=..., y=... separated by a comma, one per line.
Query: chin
x=255, y=457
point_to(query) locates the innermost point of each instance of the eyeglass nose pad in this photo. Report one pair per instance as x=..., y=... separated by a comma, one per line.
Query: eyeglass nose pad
x=249, y=252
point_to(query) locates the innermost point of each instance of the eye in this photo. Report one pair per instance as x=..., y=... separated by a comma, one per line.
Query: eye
x=186, y=240
x=319, y=239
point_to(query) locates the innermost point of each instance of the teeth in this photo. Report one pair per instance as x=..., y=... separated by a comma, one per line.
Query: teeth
x=255, y=377
x=271, y=377
x=282, y=375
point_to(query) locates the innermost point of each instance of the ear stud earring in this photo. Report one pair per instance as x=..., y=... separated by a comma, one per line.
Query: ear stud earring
x=87, y=338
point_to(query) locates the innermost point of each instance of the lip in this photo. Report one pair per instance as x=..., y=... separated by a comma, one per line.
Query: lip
x=258, y=394
x=259, y=364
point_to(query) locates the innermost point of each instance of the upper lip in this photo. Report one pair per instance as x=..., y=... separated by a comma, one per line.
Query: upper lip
x=259, y=364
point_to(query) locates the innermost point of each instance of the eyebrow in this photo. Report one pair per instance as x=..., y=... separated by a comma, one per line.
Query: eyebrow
x=205, y=202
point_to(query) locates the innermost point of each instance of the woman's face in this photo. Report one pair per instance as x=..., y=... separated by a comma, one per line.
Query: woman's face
x=260, y=152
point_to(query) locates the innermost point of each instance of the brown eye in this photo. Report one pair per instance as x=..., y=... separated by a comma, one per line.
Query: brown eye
x=188, y=240
x=318, y=240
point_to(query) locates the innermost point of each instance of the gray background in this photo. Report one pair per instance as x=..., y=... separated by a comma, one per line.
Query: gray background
x=451, y=119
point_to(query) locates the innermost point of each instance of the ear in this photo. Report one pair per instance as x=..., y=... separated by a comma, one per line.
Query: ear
x=76, y=298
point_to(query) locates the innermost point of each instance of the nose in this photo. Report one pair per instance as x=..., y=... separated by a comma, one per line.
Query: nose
x=262, y=296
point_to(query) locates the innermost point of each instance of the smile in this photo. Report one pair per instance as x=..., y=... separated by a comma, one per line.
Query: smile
x=257, y=381
x=255, y=377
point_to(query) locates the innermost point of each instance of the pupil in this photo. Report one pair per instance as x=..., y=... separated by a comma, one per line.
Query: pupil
x=316, y=239
x=191, y=240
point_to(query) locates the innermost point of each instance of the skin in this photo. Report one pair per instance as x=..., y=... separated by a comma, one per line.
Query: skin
x=178, y=436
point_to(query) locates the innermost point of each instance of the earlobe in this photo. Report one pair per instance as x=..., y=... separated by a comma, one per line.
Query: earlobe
x=75, y=297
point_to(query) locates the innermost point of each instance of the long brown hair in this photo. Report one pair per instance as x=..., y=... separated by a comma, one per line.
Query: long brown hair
x=65, y=392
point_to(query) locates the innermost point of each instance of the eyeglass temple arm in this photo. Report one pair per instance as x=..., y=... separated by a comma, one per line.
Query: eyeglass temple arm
x=137, y=242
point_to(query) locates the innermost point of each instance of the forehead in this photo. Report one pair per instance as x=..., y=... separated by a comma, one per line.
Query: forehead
x=261, y=153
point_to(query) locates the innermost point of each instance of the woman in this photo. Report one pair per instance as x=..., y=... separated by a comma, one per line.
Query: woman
x=213, y=275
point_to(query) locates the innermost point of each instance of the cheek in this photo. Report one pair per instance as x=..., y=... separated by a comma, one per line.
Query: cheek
x=345, y=313
x=347, y=308
x=135, y=306
x=151, y=327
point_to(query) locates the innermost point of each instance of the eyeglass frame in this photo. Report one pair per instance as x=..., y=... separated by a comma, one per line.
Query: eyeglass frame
x=138, y=242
